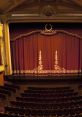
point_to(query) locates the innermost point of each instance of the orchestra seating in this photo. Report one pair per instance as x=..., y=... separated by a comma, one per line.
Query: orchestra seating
x=45, y=101
x=7, y=90
x=40, y=101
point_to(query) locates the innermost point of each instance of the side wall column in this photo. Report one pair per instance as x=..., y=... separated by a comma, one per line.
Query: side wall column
x=8, y=65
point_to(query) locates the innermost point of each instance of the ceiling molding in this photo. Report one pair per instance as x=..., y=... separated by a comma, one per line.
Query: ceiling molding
x=57, y=18
x=78, y=2
x=13, y=4
x=28, y=5
x=34, y=10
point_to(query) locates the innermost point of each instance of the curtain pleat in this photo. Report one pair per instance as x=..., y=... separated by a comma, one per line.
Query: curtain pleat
x=59, y=53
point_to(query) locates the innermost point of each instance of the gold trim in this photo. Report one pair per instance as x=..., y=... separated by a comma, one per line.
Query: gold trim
x=46, y=71
x=1, y=68
x=39, y=70
x=1, y=30
x=46, y=28
x=25, y=34
x=7, y=58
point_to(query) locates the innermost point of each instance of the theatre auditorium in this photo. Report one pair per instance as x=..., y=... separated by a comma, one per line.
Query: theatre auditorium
x=40, y=58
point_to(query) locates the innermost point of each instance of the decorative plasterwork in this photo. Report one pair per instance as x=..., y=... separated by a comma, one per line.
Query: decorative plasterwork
x=41, y=11
x=45, y=7
x=48, y=10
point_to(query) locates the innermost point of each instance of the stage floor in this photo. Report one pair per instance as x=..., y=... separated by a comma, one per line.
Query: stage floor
x=44, y=78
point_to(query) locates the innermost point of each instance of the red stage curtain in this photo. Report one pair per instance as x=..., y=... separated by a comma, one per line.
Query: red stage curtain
x=25, y=52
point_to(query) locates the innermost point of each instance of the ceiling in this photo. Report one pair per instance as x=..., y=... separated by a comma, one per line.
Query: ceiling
x=7, y=6
x=41, y=10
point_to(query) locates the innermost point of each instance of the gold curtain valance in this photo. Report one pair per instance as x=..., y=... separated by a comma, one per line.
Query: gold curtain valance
x=46, y=32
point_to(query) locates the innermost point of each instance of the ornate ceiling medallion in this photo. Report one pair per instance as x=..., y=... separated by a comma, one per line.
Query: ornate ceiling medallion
x=48, y=10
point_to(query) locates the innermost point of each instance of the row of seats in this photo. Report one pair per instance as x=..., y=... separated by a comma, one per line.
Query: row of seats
x=48, y=98
x=50, y=91
x=3, y=114
x=49, y=94
x=18, y=115
x=59, y=112
x=47, y=102
x=48, y=88
x=46, y=105
x=7, y=90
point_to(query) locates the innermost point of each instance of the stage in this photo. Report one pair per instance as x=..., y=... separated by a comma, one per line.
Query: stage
x=49, y=78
